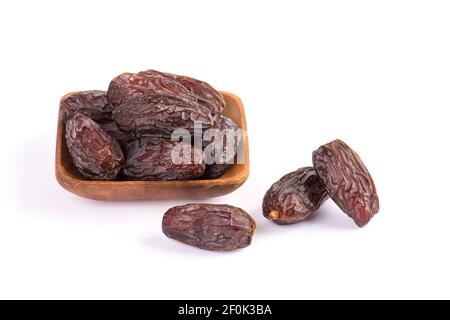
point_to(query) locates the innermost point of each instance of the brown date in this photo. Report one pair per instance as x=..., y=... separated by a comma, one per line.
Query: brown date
x=347, y=180
x=209, y=226
x=122, y=137
x=96, y=154
x=149, y=86
x=152, y=159
x=295, y=197
x=146, y=87
x=161, y=118
x=230, y=136
x=150, y=102
x=205, y=94
x=92, y=104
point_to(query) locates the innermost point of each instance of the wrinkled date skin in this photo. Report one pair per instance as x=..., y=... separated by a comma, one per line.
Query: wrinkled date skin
x=151, y=159
x=93, y=104
x=347, y=181
x=147, y=85
x=122, y=137
x=209, y=226
x=227, y=127
x=150, y=102
x=96, y=154
x=161, y=118
x=295, y=197
x=205, y=94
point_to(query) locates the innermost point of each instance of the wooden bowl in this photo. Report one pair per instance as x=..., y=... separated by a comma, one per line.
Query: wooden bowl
x=70, y=179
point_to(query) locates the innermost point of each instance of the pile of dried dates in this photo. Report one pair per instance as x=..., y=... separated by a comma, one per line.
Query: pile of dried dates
x=128, y=131
x=338, y=172
x=133, y=131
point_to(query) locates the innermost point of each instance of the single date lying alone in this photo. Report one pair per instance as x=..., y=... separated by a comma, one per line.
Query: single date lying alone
x=209, y=226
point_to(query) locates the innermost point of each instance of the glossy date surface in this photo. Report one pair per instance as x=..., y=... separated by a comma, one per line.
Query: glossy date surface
x=204, y=93
x=295, y=197
x=347, y=181
x=93, y=104
x=209, y=226
x=95, y=154
x=161, y=159
x=152, y=102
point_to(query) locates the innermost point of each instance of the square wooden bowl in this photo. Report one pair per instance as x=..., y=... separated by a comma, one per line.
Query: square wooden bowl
x=70, y=179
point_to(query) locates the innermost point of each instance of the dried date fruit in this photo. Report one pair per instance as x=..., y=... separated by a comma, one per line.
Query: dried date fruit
x=347, y=181
x=95, y=154
x=151, y=102
x=161, y=159
x=209, y=226
x=161, y=118
x=147, y=86
x=295, y=197
x=155, y=105
x=228, y=144
x=92, y=104
x=120, y=91
x=122, y=137
x=205, y=94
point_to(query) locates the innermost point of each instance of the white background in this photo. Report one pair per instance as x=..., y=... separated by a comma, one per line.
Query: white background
x=373, y=73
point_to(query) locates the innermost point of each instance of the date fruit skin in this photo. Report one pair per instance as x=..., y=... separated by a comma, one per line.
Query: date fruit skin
x=295, y=197
x=347, y=181
x=151, y=159
x=205, y=94
x=161, y=118
x=215, y=227
x=146, y=86
x=95, y=154
x=122, y=137
x=150, y=102
x=93, y=104
x=227, y=126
